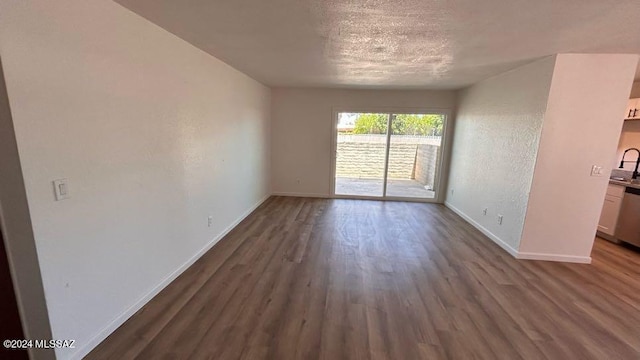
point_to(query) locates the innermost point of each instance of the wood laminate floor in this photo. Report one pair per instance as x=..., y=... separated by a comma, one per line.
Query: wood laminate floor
x=353, y=279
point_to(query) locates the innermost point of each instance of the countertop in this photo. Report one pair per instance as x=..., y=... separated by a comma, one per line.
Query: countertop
x=624, y=183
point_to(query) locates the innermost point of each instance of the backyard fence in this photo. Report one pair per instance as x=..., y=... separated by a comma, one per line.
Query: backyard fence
x=382, y=138
x=410, y=157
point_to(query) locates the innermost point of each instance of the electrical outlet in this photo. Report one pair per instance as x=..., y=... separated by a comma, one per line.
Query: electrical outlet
x=500, y=219
x=484, y=212
x=451, y=192
x=210, y=221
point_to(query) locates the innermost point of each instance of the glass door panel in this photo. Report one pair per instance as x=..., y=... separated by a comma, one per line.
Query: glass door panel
x=361, y=151
x=414, y=155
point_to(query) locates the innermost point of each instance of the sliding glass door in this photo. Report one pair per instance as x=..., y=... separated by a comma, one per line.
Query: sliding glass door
x=414, y=155
x=388, y=155
x=361, y=154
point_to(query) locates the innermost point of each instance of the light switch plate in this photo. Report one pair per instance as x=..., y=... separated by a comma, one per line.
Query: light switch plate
x=61, y=189
x=596, y=170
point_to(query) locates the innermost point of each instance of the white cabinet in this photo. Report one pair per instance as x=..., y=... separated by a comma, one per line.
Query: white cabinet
x=633, y=109
x=611, y=209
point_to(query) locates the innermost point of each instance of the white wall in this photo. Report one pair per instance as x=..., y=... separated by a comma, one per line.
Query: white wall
x=301, y=133
x=153, y=136
x=497, y=130
x=581, y=128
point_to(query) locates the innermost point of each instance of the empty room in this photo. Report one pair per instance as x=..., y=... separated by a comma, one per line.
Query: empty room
x=364, y=179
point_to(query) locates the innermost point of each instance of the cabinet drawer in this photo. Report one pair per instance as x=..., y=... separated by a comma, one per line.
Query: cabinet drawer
x=615, y=190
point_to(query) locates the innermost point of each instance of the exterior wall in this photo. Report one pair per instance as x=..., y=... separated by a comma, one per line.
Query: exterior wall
x=427, y=162
x=406, y=161
x=366, y=160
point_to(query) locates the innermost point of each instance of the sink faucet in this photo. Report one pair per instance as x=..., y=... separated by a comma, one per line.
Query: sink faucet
x=635, y=172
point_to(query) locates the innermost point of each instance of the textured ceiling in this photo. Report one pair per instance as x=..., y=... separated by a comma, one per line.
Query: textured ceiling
x=393, y=43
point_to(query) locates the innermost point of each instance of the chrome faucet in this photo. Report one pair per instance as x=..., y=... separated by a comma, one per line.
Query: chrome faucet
x=635, y=172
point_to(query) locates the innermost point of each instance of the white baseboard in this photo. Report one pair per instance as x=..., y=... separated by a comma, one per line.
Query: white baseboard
x=483, y=230
x=119, y=320
x=554, y=257
x=295, y=194
x=515, y=253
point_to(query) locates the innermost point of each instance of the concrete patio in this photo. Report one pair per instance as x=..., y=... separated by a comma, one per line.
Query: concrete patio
x=404, y=188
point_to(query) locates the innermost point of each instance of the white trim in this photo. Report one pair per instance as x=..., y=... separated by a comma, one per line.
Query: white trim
x=119, y=320
x=554, y=257
x=483, y=230
x=296, y=194
x=387, y=149
x=334, y=151
x=515, y=253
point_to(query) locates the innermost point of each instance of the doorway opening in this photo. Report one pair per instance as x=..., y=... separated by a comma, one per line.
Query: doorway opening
x=388, y=155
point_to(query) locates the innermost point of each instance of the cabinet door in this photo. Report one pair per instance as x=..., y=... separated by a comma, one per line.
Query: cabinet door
x=633, y=109
x=616, y=190
x=609, y=215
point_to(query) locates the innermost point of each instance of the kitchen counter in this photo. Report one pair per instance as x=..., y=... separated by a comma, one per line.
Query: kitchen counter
x=624, y=183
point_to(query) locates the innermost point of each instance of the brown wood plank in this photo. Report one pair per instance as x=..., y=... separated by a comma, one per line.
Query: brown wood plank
x=352, y=279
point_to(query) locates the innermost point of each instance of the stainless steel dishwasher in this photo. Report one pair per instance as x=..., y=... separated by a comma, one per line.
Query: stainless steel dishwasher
x=628, y=229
